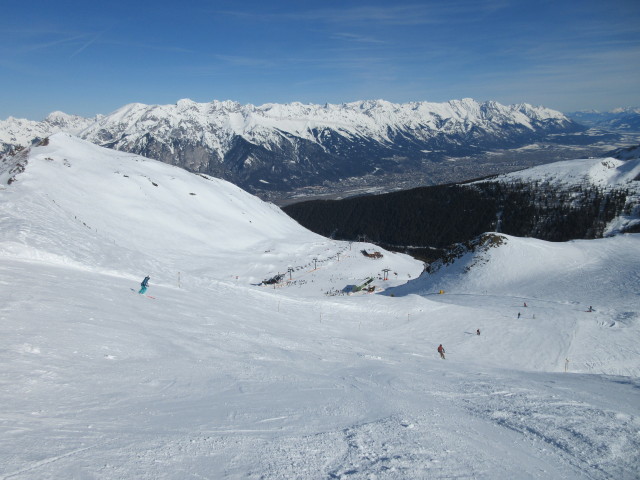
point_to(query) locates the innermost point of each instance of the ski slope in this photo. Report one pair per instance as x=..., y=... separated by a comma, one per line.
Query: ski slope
x=219, y=376
x=558, y=282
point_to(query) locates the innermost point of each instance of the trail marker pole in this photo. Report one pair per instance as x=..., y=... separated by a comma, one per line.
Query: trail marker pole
x=566, y=365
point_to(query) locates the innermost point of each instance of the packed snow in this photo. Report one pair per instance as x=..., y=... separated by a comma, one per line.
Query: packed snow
x=214, y=373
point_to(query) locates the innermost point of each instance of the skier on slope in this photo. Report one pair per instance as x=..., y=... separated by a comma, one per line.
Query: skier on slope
x=144, y=284
x=441, y=351
x=478, y=332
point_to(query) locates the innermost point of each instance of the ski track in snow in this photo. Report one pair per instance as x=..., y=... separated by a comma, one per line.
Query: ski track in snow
x=267, y=405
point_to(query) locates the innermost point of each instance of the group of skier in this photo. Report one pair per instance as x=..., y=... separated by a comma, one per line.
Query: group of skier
x=145, y=284
x=441, y=348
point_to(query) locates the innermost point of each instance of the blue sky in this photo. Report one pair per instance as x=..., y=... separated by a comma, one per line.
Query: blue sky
x=93, y=57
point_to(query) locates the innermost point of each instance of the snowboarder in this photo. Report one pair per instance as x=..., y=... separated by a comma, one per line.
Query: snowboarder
x=525, y=304
x=478, y=332
x=441, y=351
x=144, y=284
x=590, y=309
x=518, y=314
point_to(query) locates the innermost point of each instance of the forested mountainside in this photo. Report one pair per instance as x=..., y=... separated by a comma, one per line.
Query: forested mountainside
x=438, y=216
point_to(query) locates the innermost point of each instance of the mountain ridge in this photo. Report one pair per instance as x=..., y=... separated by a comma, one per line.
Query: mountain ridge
x=622, y=119
x=285, y=146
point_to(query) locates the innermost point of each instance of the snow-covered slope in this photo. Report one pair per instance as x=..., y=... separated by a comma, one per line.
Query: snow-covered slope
x=18, y=132
x=70, y=201
x=609, y=172
x=558, y=282
x=218, y=377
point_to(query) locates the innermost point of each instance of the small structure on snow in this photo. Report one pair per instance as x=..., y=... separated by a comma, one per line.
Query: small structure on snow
x=276, y=279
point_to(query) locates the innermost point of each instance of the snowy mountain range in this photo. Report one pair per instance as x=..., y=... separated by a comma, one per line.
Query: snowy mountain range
x=215, y=374
x=620, y=119
x=17, y=132
x=284, y=146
